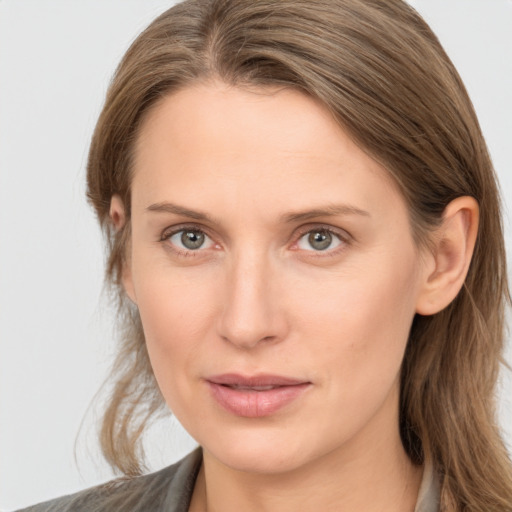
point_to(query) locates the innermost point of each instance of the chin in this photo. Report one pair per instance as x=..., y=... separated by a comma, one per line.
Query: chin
x=254, y=459
x=260, y=451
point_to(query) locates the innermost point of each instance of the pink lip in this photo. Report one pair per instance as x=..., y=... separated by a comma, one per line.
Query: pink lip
x=240, y=395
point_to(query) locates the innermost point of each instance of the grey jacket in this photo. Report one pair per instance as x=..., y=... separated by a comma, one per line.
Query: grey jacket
x=170, y=490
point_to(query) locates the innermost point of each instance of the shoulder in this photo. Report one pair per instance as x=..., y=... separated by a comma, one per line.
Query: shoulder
x=169, y=489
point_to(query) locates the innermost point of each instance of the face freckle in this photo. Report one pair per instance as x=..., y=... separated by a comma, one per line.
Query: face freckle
x=254, y=173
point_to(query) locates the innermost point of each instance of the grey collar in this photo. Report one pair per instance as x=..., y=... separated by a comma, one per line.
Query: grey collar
x=429, y=493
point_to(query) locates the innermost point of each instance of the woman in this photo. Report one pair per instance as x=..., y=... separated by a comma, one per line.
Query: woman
x=298, y=209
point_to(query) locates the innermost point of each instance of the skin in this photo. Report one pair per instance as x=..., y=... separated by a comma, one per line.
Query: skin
x=257, y=297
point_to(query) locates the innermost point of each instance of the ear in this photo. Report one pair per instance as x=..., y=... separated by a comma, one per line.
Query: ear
x=117, y=215
x=448, y=262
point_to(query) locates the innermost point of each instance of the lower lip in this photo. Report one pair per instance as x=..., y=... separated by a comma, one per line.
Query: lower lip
x=256, y=404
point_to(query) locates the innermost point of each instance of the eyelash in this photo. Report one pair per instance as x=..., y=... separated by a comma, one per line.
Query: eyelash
x=187, y=253
x=343, y=237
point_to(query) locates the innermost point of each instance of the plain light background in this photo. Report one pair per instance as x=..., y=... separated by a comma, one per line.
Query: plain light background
x=56, y=336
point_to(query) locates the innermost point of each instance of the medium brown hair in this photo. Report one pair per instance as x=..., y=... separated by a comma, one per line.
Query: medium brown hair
x=377, y=66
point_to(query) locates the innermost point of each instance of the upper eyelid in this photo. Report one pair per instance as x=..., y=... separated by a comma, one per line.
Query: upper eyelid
x=341, y=233
x=172, y=230
x=219, y=236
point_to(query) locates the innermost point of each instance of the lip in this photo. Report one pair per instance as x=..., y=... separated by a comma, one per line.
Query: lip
x=255, y=396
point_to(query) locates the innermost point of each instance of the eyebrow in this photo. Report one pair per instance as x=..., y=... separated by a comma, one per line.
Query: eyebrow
x=329, y=211
x=178, y=210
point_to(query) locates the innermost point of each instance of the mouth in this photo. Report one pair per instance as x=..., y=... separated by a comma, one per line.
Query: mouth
x=255, y=396
x=250, y=388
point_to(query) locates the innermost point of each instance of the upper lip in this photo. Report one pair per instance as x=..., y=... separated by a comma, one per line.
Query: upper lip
x=263, y=379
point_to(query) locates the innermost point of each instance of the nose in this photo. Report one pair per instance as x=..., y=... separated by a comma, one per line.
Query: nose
x=252, y=312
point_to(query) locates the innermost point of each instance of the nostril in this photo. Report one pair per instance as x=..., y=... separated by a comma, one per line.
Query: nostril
x=248, y=341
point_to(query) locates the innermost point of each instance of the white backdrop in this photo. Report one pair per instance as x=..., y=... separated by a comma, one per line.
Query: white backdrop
x=56, y=58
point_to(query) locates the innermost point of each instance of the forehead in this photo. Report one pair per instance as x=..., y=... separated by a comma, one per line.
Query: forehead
x=219, y=115
x=212, y=141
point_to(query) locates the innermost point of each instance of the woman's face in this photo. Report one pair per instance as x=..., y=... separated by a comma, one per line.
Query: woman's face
x=275, y=273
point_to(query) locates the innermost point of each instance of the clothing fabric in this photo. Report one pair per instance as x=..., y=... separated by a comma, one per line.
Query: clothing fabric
x=170, y=490
x=429, y=492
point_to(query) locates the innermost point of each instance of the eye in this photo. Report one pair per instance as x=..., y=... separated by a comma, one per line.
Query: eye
x=189, y=239
x=319, y=239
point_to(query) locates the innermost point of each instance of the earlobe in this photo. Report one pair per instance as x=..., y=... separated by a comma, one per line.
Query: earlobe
x=117, y=212
x=453, y=245
x=117, y=215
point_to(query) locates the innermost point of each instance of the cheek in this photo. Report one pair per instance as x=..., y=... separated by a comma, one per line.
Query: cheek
x=177, y=308
x=358, y=325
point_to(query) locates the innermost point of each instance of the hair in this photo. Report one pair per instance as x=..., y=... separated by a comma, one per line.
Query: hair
x=382, y=73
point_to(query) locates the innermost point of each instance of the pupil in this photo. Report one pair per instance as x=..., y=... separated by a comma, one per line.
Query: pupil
x=320, y=240
x=192, y=239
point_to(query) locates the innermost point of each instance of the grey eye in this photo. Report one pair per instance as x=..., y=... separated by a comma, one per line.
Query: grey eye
x=319, y=240
x=190, y=239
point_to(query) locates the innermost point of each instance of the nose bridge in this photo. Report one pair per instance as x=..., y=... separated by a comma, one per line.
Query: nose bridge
x=251, y=313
